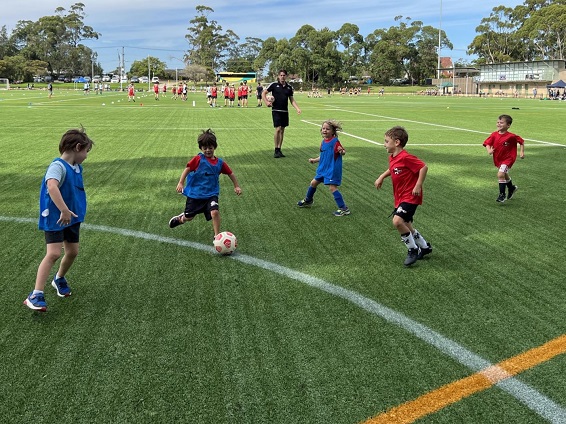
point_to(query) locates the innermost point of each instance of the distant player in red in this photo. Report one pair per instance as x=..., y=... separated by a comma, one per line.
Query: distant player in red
x=226, y=94
x=245, y=90
x=502, y=145
x=240, y=91
x=232, y=94
x=164, y=89
x=156, y=90
x=213, y=95
x=131, y=93
x=407, y=174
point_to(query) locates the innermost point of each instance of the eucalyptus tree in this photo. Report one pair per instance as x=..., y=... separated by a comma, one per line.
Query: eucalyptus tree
x=545, y=29
x=497, y=40
x=208, y=44
x=353, y=51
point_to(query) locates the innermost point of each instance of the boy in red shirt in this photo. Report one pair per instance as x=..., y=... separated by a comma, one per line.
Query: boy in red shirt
x=407, y=174
x=502, y=145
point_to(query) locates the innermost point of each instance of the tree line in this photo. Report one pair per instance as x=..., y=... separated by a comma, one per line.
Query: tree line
x=535, y=30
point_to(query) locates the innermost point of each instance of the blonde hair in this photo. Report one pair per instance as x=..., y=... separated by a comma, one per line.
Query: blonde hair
x=334, y=124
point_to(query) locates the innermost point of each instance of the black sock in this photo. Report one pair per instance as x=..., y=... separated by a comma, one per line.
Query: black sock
x=502, y=187
x=510, y=184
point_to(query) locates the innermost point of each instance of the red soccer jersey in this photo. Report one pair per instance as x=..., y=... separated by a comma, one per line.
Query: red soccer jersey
x=404, y=170
x=504, y=147
x=156, y=88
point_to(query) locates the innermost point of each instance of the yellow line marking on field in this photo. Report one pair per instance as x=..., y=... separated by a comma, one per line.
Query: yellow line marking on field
x=453, y=392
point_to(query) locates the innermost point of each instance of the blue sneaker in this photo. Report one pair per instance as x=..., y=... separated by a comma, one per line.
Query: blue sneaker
x=342, y=212
x=305, y=203
x=60, y=284
x=36, y=302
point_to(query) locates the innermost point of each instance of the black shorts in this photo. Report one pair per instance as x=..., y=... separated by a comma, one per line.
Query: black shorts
x=69, y=234
x=280, y=119
x=195, y=206
x=405, y=211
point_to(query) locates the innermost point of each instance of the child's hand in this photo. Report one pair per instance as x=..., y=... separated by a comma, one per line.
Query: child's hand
x=65, y=217
x=378, y=183
x=237, y=190
x=312, y=160
x=179, y=188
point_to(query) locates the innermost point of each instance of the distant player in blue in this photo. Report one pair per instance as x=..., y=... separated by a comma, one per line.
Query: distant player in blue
x=62, y=207
x=202, y=183
x=329, y=169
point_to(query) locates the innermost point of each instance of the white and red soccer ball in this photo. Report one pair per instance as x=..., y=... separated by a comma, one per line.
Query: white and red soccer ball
x=225, y=243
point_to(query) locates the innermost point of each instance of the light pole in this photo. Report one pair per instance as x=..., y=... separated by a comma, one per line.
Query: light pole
x=439, y=40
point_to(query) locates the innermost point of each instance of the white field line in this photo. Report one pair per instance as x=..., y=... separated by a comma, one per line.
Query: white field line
x=533, y=399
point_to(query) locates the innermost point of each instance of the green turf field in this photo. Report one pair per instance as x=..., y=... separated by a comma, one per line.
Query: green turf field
x=314, y=319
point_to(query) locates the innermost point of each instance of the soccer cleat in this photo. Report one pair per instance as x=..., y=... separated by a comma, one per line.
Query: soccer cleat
x=512, y=191
x=500, y=198
x=60, y=284
x=36, y=302
x=175, y=222
x=412, y=256
x=277, y=154
x=424, y=251
x=342, y=212
x=305, y=203
x=281, y=155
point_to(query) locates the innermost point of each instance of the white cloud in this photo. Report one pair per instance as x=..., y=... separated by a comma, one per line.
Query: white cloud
x=145, y=27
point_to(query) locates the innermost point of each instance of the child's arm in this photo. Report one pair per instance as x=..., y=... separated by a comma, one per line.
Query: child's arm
x=489, y=149
x=314, y=160
x=417, y=189
x=237, y=188
x=522, y=151
x=181, y=183
x=55, y=194
x=380, y=179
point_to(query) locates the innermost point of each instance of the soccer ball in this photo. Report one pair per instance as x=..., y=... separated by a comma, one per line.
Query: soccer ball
x=270, y=98
x=225, y=243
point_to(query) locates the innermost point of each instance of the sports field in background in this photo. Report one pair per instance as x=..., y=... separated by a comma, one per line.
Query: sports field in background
x=314, y=319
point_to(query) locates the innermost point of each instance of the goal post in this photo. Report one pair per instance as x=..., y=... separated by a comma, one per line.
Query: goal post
x=4, y=84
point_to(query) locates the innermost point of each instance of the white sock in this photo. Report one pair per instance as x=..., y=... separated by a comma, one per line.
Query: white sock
x=409, y=241
x=419, y=239
x=37, y=292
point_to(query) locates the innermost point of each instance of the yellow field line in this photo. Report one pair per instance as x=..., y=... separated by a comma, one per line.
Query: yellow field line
x=451, y=393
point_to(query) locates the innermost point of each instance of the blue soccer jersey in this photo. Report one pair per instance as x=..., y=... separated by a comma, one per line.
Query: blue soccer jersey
x=203, y=182
x=330, y=162
x=73, y=193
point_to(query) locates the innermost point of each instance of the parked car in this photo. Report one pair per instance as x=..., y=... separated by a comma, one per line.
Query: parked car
x=96, y=78
x=124, y=80
x=134, y=80
x=61, y=78
x=106, y=78
x=115, y=79
x=155, y=79
x=87, y=79
x=144, y=80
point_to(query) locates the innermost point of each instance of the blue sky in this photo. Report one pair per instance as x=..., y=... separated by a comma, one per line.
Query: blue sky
x=146, y=27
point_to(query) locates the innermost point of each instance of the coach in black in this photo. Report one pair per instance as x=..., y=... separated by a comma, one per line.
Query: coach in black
x=282, y=94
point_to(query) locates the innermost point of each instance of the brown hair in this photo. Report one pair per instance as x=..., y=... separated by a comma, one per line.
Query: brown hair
x=206, y=139
x=73, y=138
x=398, y=133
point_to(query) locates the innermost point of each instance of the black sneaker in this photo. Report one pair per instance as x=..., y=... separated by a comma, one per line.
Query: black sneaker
x=424, y=251
x=500, y=198
x=412, y=256
x=281, y=155
x=512, y=191
x=305, y=203
x=277, y=154
x=175, y=222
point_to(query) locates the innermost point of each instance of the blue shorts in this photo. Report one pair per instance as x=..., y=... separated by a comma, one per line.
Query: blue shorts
x=327, y=181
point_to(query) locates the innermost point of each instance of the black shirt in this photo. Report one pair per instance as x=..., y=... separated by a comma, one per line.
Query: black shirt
x=282, y=93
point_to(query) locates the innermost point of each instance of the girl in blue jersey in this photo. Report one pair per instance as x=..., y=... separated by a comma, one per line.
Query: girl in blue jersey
x=329, y=169
x=202, y=185
x=62, y=204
